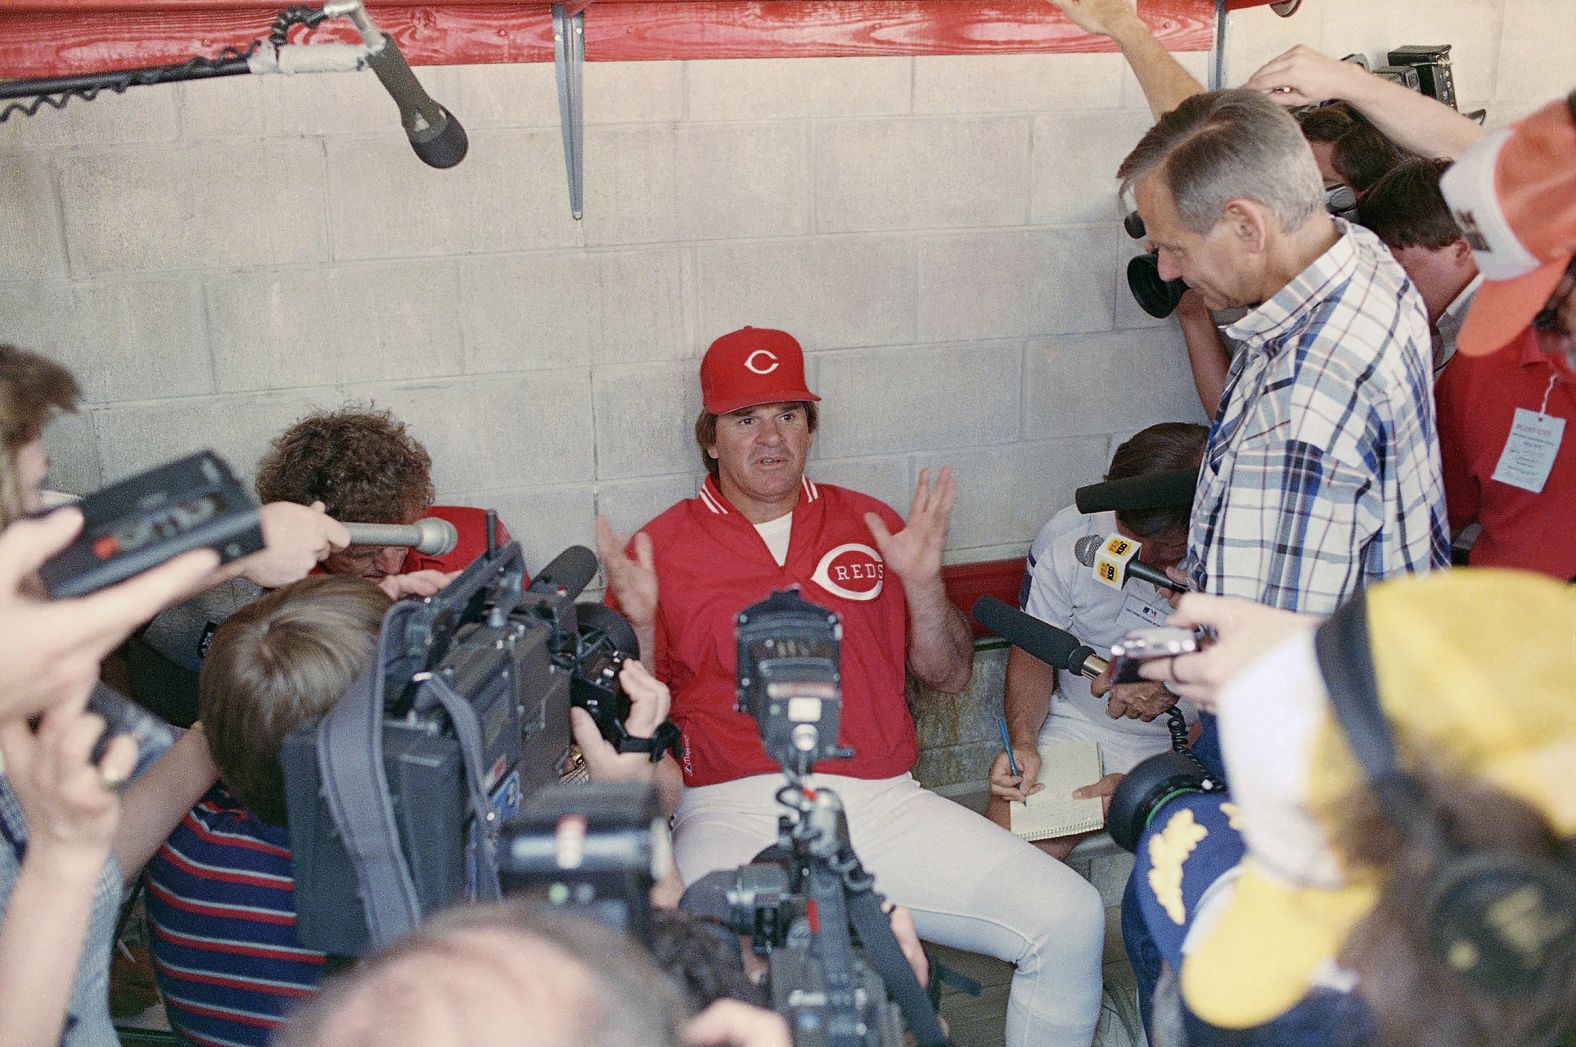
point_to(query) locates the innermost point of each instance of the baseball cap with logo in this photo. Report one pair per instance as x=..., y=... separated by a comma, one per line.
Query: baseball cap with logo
x=753, y=365
x=1514, y=197
x=1438, y=645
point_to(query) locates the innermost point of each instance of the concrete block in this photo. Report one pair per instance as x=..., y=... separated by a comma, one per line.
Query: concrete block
x=330, y=104
x=921, y=174
x=30, y=237
x=631, y=186
x=525, y=94
x=645, y=420
x=1118, y=382
x=883, y=478
x=1005, y=494
x=1533, y=64
x=204, y=206
x=134, y=436
x=830, y=292
x=1006, y=284
x=631, y=504
x=557, y=310
x=1017, y=83
x=1195, y=62
x=743, y=180
x=814, y=88
x=73, y=454
x=224, y=107
x=889, y=401
x=544, y=520
x=1075, y=160
x=1471, y=26
x=955, y=763
x=507, y=195
x=1109, y=874
x=496, y=432
x=143, y=114
x=124, y=340
x=1256, y=35
x=281, y=328
x=958, y=719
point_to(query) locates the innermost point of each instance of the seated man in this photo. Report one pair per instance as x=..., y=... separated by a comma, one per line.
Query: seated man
x=759, y=524
x=1042, y=705
x=220, y=894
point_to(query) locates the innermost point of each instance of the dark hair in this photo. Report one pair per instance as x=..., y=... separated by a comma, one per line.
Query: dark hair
x=562, y=980
x=1406, y=209
x=703, y=957
x=1363, y=155
x=360, y=463
x=33, y=389
x=706, y=431
x=1415, y=1000
x=1160, y=448
x=275, y=664
x=1326, y=123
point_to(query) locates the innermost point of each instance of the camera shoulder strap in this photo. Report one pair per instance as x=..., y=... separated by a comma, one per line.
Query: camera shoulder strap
x=468, y=732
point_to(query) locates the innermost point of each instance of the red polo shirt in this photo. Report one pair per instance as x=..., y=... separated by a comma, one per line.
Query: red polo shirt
x=1477, y=400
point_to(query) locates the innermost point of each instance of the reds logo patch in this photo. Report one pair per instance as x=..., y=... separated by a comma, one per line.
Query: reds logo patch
x=852, y=571
x=762, y=361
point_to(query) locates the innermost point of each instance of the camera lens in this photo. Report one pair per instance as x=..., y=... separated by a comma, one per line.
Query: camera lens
x=1158, y=297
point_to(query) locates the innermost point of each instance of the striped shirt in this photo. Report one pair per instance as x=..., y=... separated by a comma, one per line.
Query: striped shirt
x=221, y=912
x=1321, y=472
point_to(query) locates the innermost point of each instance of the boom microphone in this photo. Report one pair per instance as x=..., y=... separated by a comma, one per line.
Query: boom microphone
x=1114, y=570
x=430, y=536
x=1172, y=489
x=434, y=133
x=570, y=571
x=1055, y=647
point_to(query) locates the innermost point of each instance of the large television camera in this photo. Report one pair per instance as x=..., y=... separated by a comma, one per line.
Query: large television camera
x=396, y=796
x=835, y=970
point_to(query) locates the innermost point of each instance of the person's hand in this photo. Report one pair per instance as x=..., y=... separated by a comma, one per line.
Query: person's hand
x=734, y=1023
x=1138, y=701
x=296, y=538
x=1191, y=308
x=1303, y=76
x=907, y=936
x=1100, y=17
x=649, y=702
x=416, y=583
x=50, y=650
x=1178, y=575
x=1009, y=786
x=633, y=579
x=72, y=806
x=914, y=553
x=1245, y=630
x=1105, y=788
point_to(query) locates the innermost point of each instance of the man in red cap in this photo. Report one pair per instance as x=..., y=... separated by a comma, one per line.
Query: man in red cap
x=1506, y=401
x=758, y=525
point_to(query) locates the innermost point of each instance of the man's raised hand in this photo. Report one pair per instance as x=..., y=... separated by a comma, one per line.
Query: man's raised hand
x=914, y=553
x=1100, y=17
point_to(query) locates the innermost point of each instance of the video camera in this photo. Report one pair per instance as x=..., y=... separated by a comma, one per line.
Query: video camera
x=396, y=796
x=835, y=970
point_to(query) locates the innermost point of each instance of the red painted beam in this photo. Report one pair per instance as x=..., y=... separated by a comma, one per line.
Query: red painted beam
x=38, y=39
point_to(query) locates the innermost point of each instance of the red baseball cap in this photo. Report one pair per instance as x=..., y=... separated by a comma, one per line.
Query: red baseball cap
x=1514, y=197
x=753, y=365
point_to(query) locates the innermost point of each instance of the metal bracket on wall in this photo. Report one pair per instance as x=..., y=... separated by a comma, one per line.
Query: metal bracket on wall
x=1217, y=68
x=569, y=60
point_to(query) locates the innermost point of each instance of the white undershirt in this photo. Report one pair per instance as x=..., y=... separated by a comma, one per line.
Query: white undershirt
x=775, y=534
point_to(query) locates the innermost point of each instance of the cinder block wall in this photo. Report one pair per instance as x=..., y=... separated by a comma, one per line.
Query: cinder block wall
x=215, y=259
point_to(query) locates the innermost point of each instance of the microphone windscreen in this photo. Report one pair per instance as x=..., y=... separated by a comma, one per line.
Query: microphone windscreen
x=438, y=536
x=571, y=571
x=1049, y=644
x=445, y=147
x=1168, y=490
x=1085, y=548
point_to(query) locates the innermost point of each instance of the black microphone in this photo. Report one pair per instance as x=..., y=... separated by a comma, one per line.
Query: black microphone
x=1056, y=647
x=1172, y=489
x=434, y=133
x=1087, y=549
x=570, y=571
x=123, y=716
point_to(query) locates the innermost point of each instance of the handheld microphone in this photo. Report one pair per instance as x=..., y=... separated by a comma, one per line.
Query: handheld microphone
x=570, y=571
x=1056, y=647
x=430, y=536
x=123, y=716
x=1115, y=560
x=434, y=133
x=1172, y=489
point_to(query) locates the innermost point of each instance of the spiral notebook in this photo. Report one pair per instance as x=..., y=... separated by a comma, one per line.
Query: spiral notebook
x=1051, y=812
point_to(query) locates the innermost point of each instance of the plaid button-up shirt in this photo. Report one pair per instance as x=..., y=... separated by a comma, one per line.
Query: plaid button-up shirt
x=1321, y=472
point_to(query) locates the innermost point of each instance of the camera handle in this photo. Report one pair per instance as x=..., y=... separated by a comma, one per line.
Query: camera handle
x=844, y=895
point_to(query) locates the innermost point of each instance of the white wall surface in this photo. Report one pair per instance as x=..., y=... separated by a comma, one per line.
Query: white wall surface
x=215, y=259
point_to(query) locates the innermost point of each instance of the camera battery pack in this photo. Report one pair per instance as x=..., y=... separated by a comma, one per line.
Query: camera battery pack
x=129, y=527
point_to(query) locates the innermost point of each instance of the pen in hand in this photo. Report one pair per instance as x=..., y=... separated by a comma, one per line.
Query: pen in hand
x=1012, y=760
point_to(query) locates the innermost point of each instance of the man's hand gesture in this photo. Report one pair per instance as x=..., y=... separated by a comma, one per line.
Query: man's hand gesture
x=633, y=582
x=914, y=553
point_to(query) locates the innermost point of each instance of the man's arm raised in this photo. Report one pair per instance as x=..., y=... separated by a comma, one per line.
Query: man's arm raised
x=940, y=648
x=1162, y=77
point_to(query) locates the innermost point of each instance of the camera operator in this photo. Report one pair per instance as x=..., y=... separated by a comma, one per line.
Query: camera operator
x=220, y=892
x=1042, y=705
x=759, y=524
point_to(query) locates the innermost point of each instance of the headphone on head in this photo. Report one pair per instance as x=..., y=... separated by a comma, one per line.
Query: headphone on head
x=1502, y=921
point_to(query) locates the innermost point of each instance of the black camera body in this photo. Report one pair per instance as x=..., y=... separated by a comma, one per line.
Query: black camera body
x=790, y=678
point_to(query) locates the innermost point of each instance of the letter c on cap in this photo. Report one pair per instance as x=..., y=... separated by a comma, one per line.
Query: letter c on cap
x=749, y=361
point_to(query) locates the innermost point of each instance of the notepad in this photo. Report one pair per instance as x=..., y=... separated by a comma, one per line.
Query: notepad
x=1051, y=812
